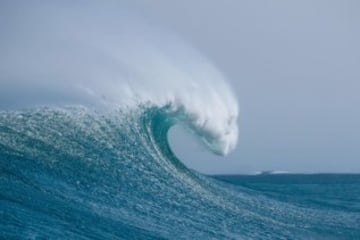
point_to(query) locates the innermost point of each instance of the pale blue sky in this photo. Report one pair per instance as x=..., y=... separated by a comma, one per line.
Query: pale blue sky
x=295, y=67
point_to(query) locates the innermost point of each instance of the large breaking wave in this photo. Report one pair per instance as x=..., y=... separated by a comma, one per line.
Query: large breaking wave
x=88, y=94
x=95, y=56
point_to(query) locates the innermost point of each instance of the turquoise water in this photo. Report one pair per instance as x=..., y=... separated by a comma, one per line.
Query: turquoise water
x=73, y=173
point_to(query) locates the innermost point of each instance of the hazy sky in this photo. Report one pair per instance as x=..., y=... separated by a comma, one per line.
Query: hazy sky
x=295, y=67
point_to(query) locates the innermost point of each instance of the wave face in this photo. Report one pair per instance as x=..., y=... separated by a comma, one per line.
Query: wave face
x=87, y=96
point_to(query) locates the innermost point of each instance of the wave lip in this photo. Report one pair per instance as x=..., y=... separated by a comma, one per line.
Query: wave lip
x=216, y=129
x=220, y=135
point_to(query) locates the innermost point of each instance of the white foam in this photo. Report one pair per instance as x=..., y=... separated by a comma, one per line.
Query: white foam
x=102, y=56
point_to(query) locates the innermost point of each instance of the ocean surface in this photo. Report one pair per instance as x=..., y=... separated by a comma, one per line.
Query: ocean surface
x=72, y=173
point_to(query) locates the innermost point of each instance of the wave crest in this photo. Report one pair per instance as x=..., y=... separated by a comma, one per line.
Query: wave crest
x=82, y=56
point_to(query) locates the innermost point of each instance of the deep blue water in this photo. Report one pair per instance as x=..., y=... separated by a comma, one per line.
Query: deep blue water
x=77, y=174
x=317, y=191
